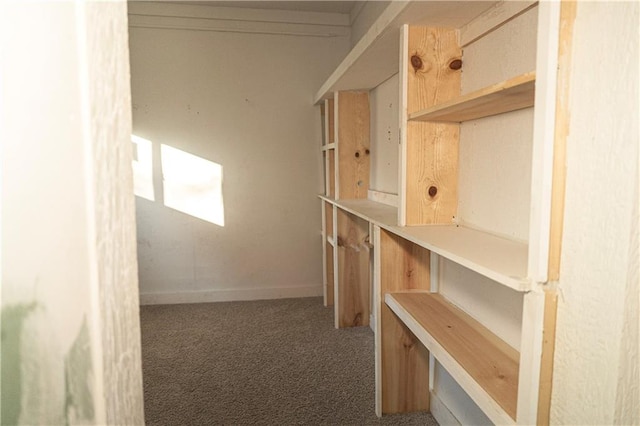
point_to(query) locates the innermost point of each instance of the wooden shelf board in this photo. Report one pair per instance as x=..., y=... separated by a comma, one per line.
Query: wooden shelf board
x=485, y=366
x=502, y=260
x=375, y=57
x=328, y=146
x=510, y=95
x=377, y=213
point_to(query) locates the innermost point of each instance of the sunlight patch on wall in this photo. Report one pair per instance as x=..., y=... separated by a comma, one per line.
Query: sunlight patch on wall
x=192, y=185
x=142, y=168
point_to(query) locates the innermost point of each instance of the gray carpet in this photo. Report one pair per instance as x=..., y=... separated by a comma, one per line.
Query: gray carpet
x=276, y=362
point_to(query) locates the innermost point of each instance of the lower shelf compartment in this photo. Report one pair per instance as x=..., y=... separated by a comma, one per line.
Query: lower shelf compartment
x=484, y=365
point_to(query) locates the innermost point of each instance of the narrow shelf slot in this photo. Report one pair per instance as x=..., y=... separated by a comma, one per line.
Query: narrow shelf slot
x=484, y=365
x=510, y=95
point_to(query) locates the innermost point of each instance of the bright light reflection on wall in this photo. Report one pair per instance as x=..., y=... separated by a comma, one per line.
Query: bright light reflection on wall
x=192, y=185
x=142, y=168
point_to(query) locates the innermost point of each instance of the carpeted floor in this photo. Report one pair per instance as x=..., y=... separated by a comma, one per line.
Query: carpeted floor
x=276, y=362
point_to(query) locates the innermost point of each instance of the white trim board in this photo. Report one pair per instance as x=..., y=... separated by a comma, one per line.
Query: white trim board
x=238, y=20
x=230, y=295
x=236, y=14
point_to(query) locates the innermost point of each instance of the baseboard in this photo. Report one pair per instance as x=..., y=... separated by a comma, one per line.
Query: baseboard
x=229, y=295
x=440, y=411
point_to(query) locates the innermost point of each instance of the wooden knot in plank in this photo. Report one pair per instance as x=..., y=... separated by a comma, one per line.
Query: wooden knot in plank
x=416, y=62
x=456, y=64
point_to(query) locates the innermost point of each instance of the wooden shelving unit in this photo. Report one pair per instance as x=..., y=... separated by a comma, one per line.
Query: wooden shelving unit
x=390, y=254
x=485, y=366
x=511, y=95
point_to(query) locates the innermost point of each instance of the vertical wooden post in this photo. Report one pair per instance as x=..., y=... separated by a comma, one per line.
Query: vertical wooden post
x=353, y=305
x=328, y=255
x=402, y=375
x=431, y=74
x=352, y=111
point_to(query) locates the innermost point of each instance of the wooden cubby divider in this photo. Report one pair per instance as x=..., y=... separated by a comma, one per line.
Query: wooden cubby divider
x=352, y=144
x=430, y=150
x=403, y=361
x=352, y=303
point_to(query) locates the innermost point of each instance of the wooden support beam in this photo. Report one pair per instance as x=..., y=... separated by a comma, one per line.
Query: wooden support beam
x=328, y=224
x=353, y=144
x=403, y=367
x=353, y=303
x=432, y=73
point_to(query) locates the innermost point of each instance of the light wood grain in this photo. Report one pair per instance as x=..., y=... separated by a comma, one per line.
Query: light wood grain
x=353, y=144
x=563, y=118
x=491, y=363
x=431, y=148
x=404, y=369
x=353, y=270
x=329, y=300
x=511, y=95
x=331, y=173
x=546, y=362
x=330, y=120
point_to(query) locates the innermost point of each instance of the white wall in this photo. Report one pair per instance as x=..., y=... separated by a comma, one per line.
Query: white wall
x=70, y=326
x=385, y=136
x=243, y=100
x=596, y=374
x=363, y=15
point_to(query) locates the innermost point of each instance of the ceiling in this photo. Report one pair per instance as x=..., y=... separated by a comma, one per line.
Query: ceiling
x=306, y=6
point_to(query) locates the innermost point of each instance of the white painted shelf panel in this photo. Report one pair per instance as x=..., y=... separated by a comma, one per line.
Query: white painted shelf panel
x=329, y=146
x=500, y=259
x=330, y=240
x=485, y=366
x=377, y=213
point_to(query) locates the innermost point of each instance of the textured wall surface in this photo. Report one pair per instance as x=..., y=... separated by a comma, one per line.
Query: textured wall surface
x=243, y=101
x=596, y=376
x=110, y=119
x=385, y=136
x=69, y=286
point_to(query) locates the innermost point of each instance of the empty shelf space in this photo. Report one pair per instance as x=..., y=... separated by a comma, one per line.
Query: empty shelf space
x=500, y=259
x=485, y=366
x=510, y=95
x=372, y=211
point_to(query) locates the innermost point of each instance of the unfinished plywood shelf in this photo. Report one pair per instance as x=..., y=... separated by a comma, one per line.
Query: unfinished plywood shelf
x=510, y=95
x=504, y=261
x=485, y=366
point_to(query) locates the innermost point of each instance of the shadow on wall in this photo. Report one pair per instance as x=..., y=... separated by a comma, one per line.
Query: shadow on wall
x=179, y=180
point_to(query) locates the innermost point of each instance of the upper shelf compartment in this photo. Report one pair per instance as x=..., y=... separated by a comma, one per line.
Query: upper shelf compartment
x=375, y=57
x=510, y=95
